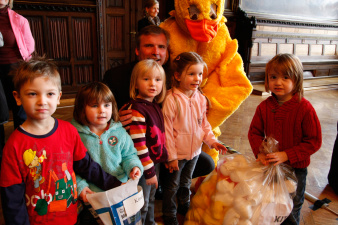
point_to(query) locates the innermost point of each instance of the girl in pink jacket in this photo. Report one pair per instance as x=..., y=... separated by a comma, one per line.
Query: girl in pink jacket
x=186, y=128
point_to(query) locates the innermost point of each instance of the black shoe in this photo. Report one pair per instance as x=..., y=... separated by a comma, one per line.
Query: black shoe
x=183, y=209
x=168, y=220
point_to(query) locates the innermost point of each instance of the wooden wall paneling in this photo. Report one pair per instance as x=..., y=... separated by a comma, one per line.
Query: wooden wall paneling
x=135, y=15
x=85, y=52
x=116, y=32
x=58, y=47
x=117, y=21
x=67, y=33
x=36, y=26
x=58, y=43
x=82, y=38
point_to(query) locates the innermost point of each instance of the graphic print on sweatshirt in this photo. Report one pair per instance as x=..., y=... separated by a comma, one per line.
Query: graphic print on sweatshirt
x=52, y=192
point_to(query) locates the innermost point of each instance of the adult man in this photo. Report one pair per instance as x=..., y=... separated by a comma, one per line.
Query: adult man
x=152, y=43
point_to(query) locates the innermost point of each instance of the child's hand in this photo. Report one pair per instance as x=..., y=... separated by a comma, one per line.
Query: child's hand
x=172, y=166
x=262, y=158
x=277, y=157
x=125, y=117
x=135, y=173
x=152, y=181
x=219, y=147
x=84, y=192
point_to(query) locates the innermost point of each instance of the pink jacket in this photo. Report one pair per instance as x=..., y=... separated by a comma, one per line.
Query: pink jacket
x=186, y=124
x=22, y=33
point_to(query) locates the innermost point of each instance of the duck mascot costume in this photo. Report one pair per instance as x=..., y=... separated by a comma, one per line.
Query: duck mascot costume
x=199, y=26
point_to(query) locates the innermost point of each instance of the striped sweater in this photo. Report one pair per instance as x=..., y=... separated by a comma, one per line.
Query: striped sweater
x=147, y=132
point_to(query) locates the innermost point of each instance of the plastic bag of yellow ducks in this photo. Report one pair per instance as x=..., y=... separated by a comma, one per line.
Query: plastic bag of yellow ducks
x=242, y=191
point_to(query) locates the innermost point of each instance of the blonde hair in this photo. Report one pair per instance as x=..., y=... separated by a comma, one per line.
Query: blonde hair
x=93, y=92
x=140, y=69
x=289, y=65
x=38, y=66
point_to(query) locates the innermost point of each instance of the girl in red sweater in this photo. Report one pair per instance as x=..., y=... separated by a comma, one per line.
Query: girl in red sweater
x=289, y=118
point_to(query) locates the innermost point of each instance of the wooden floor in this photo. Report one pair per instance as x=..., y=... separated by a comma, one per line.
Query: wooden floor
x=234, y=134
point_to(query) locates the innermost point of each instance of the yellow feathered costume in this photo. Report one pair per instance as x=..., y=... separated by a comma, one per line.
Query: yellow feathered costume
x=199, y=26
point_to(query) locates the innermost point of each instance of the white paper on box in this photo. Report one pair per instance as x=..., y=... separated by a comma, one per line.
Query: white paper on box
x=133, y=204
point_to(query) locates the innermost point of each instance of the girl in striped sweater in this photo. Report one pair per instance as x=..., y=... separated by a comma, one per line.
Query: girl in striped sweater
x=147, y=91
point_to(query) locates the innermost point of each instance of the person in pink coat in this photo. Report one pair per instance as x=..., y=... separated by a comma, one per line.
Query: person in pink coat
x=16, y=43
x=186, y=128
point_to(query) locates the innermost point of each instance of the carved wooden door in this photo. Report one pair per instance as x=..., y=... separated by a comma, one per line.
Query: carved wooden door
x=117, y=24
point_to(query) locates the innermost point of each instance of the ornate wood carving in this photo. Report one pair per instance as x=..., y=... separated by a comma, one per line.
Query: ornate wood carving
x=82, y=38
x=52, y=7
x=58, y=38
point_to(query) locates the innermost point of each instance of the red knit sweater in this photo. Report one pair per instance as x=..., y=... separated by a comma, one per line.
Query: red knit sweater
x=294, y=125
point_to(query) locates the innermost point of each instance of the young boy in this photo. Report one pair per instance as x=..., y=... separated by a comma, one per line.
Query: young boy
x=38, y=184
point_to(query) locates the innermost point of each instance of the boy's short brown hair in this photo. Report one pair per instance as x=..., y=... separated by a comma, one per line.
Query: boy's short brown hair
x=38, y=66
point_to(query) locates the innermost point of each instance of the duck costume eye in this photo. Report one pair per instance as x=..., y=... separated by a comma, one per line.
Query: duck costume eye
x=194, y=12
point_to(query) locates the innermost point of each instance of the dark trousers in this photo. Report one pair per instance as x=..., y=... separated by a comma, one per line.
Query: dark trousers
x=19, y=115
x=205, y=165
x=86, y=217
x=298, y=200
x=176, y=185
x=4, y=116
x=333, y=173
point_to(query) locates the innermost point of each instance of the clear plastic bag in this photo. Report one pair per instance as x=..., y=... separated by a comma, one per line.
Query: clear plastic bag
x=244, y=191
